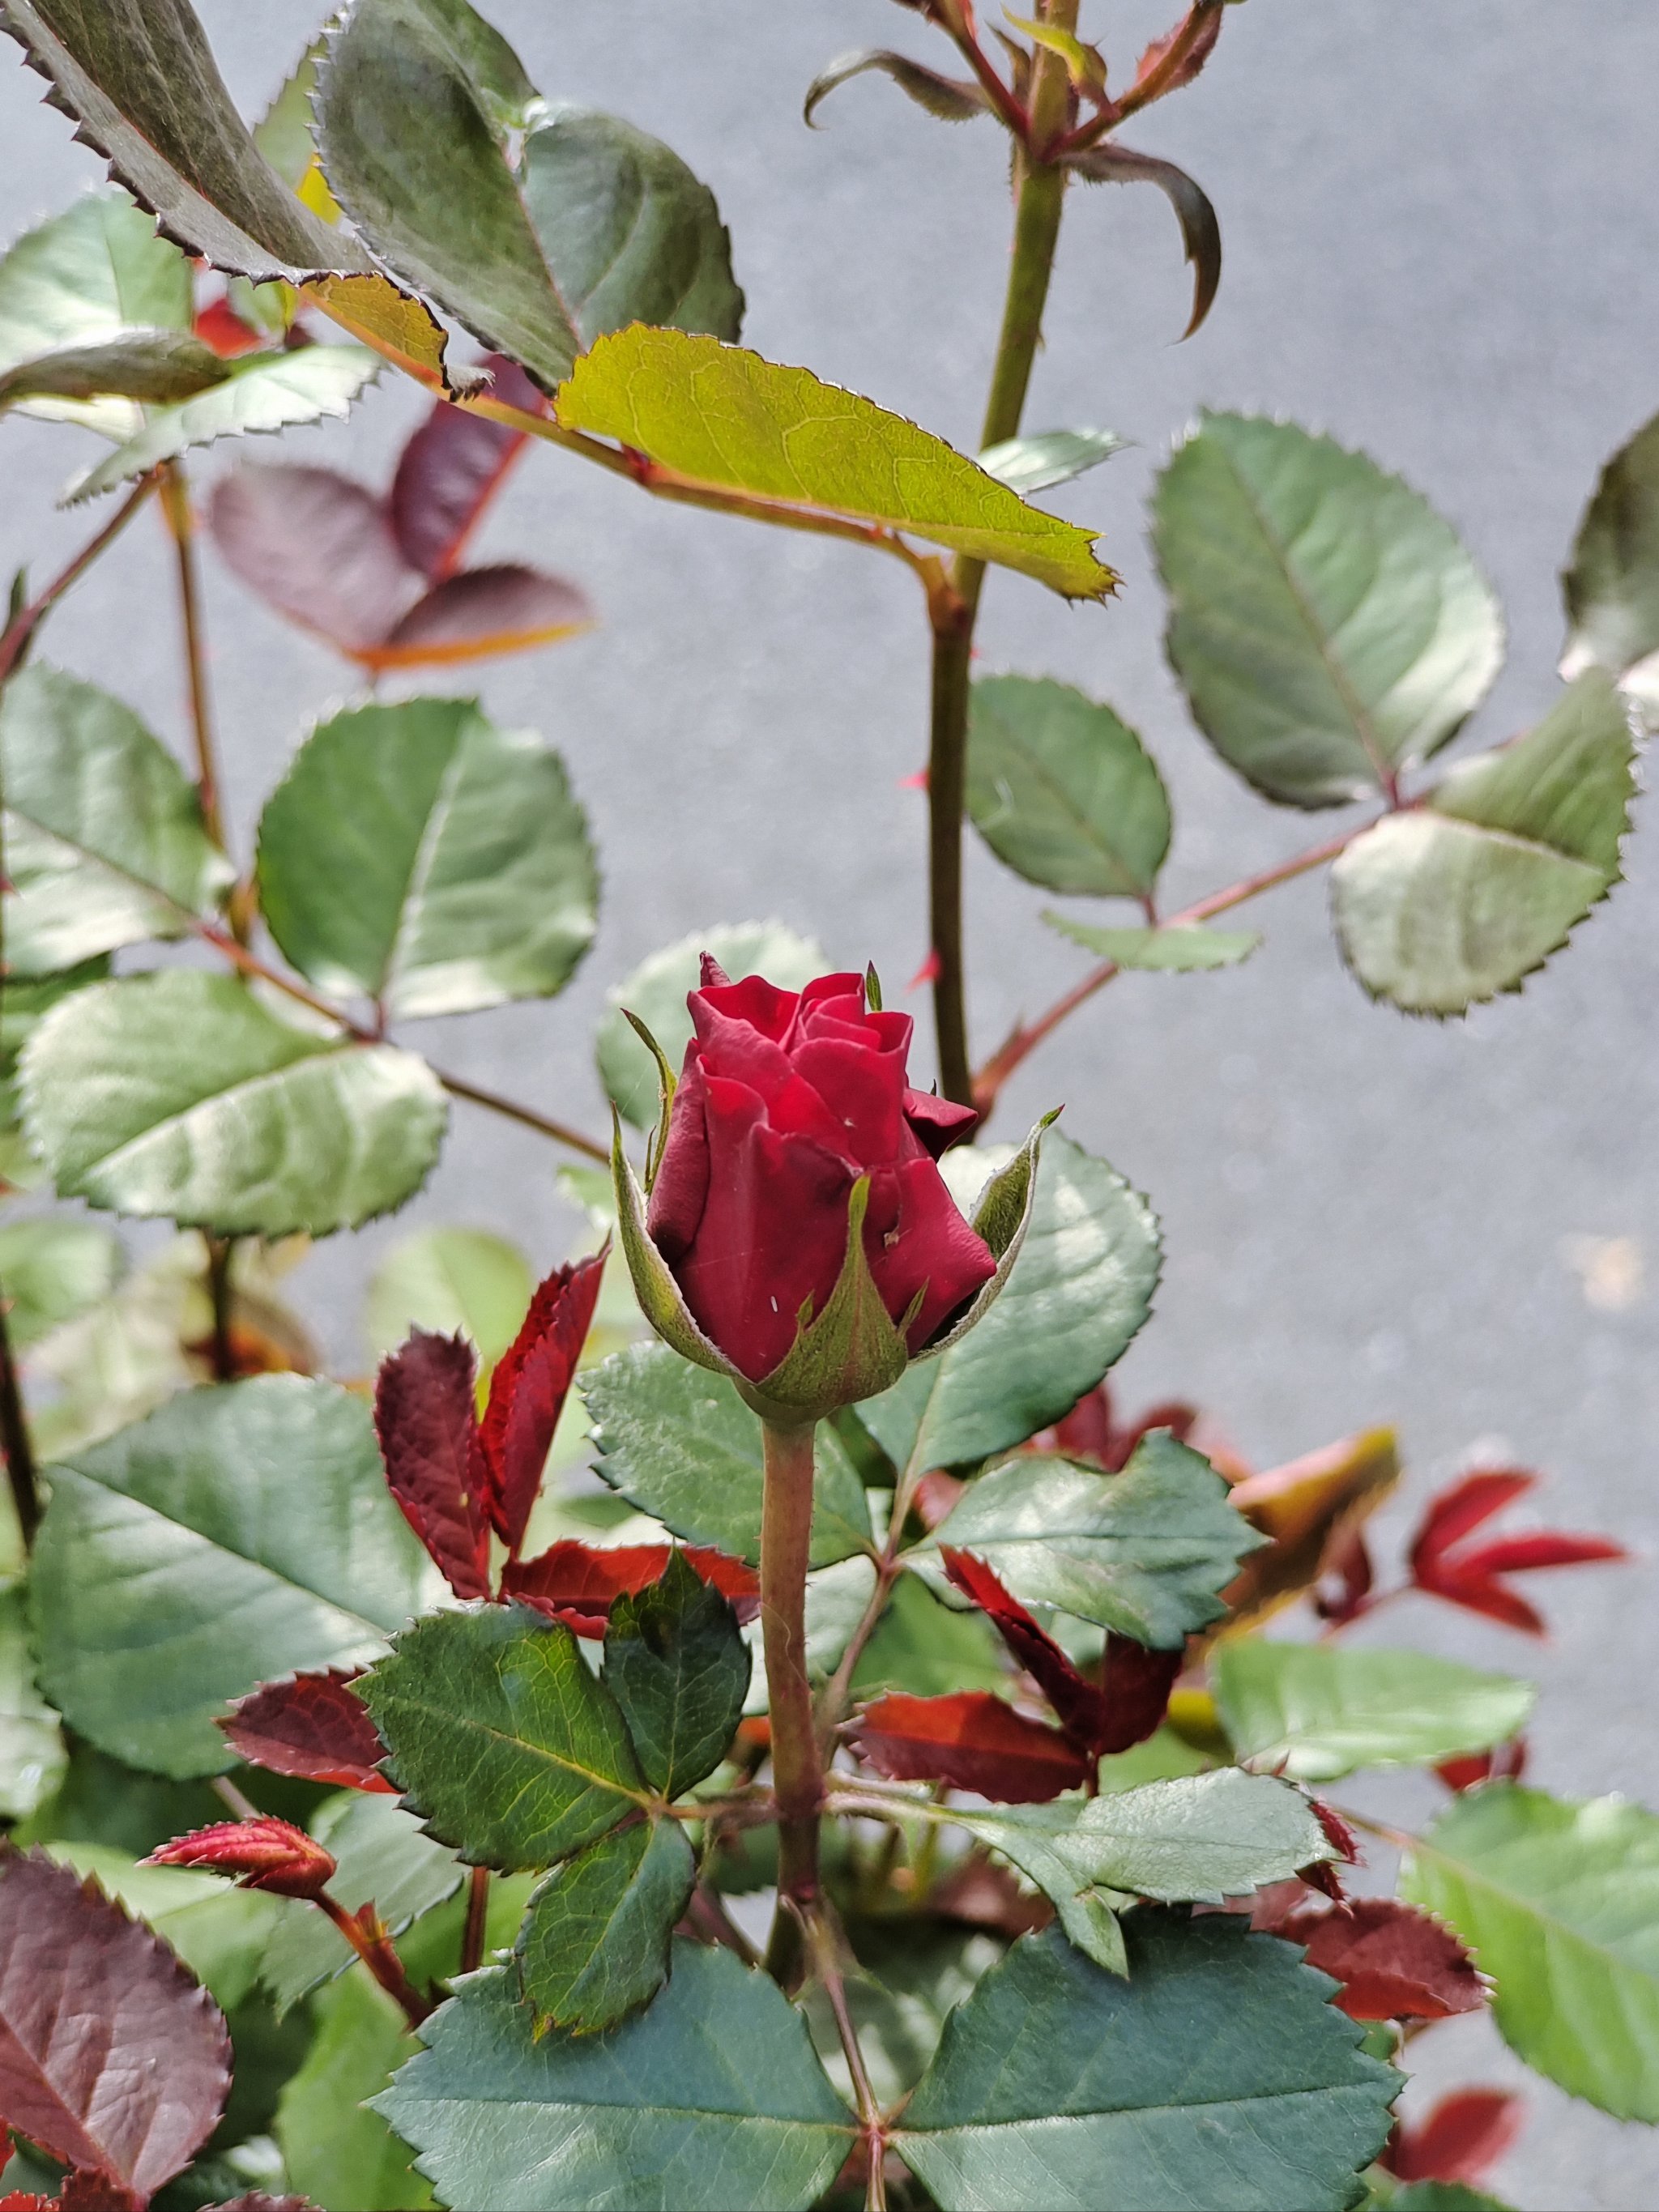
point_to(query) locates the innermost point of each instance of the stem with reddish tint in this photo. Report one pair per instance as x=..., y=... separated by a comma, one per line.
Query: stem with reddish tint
x=796, y=1770
x=376, y=1950
x=477, y=1920
x=15, y=642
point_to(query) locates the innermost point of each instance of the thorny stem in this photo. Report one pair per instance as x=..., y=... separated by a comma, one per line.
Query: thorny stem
x=175, y=505
x=1025, y=1038
x=1037, y=232
x=821, y=1946
x=15, y=641
x=369, y=1940
x=797, y=1768
x=477, y=1919
x=1153, y=85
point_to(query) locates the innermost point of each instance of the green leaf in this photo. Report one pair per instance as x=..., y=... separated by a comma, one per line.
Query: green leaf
x=1559, y=1903
x=140, y=77
x=180, y=1094
x=51, y=1269
x=382, y=1858
x=924, y=1647
x=239, y=1534
x=595, y=1943
x=22, y=1003
x=1217, y=2074
x=1062, y=790
x=502, y=1738
x=1177, y=950
x=1079, y=1289
x=725, y=417
x=1326, y=624
x=217, y=1930
x=446, y=1279
x=33, y=1759
x=1048, y=458
x=149, y=365
x=678, y=1441
x=711, y=2098
x=1146, y=1552
x=283, y=133
x=678, y=1667
x=104, y=839
x=83, y=279
x=657, y=991
x=1443, y=906
x=583, y=225
x=420, y=856
x=266, y=391
x=335, y=2151
x=1612, y=583
x=1317, y=1710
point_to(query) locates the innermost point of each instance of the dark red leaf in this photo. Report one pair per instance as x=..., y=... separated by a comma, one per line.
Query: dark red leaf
x=313, y=1726
x=1460, y=2140
x=936, y=1493
x=1139, y=1682
x=1464, y=1506
x=1545, y=1548
x=452, y=468
x=1445, y=1566
x=1203, y=47
x=1201, y=228
x=435, y=1464
x=1078, y=1705
x=1507, y=1763
x=112, y=2058
x=479, y=613
x=1480, y=1594
x=528, y=1390
x=983, y=1893
x=579, y=1583
x=318, y=547
x=219, y=326
x=1338, y=1833
x=263, y=1853
x=1394, y=1962
x=1349, y=1563
x=973, y=1741
x=1087, y=1432
x=96, y=2193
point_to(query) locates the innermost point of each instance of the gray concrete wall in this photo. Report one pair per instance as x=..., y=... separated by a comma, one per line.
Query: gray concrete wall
x=1442, y=245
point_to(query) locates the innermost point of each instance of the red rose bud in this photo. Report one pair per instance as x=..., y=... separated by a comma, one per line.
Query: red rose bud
x=260, y=1854
x=785, y=1102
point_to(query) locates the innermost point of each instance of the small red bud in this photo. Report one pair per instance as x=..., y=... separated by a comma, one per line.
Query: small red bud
x=263, y=1853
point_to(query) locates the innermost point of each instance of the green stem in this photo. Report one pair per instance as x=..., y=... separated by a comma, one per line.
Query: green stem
x=797, y=1771
x=953, y=614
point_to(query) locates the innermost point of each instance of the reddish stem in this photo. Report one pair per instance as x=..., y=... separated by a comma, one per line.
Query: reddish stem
x=477, y=1920
x=369, y=1940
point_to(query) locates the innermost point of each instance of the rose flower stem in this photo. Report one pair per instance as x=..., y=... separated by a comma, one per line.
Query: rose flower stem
x=797, y=1773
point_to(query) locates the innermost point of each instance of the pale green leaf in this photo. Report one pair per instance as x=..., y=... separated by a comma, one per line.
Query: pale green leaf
x=51, y=1270
x=1612, y=583
x=656, y=992
x=420, y=856
x=1444, y=906
x=104, y=839
x=239, y=1534
x=1048, y=458
x=180, y=1094
x=725, y=417
x=1326, y=624
x=450, y=1279
x=1062, y=790
x=335, y=2150
x=1318, y=1710
x=711, y=2098
x=1559, y=1903
x=1177, y=950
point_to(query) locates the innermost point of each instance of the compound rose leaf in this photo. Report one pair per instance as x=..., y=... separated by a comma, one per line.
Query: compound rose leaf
x=972, y=1741
x=435, y=1468
x=112, y=2058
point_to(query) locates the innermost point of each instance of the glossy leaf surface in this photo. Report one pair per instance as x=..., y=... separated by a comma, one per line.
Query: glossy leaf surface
x=104, y=838
x=679, y=1442
x=711, y=2097
x=179, y=1094
x=1146, y=1552
x=726, y=417
x=1559, y=1903
x=1328, y=625
x=971, y=1740
x=1443, y=906
x=1081, y=1286
x=594, y=1945
x=1318, y=1710
x=1215, y=2074
x=1062, y=790
x=500, y=1736
x=679, y=1670
x=239, y=1534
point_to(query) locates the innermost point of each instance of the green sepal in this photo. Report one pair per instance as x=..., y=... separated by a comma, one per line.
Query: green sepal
x=1000, y=1220
x=657, y=1143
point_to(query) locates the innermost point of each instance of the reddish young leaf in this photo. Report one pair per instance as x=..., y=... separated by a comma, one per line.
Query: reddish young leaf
x=433, y=1454
x=1203, y=46
x=452, y=468
x=1394, y=1962
x=982, y=1893
x=1544, y=1547
x=263, y=1853
x=936, y=1493
x=1462, y=2139
x=972, y=1741
x=479, y=613
x=1445, y=1566
x=313, y=1726
x=528, y=1389
x=579, y=1583
x=318, y=547
x=1507, y=1762
x=112, y=2058
x=1465, y=1505
x=1338, y=1833
x=1091, y=1431
x=218, y=324
x=1139, y=1682
x=1080, y=1706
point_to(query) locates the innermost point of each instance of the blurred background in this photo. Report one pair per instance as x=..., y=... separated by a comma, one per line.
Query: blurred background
x=1442, y=233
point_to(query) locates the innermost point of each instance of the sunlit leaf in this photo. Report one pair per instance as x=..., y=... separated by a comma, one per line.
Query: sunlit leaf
x=1177, y=950
x=1046, y=458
